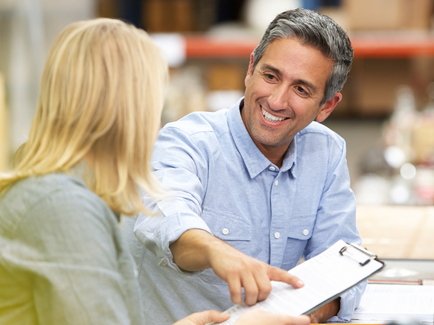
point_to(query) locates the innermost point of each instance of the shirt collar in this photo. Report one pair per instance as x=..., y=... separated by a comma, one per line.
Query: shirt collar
x=253, y=158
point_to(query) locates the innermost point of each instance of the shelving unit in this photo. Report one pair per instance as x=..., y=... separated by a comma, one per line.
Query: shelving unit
x=372, y=45
x=383, y=61
x=396, y=45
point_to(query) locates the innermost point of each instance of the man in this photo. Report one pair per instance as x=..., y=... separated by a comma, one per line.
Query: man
x=258, y=187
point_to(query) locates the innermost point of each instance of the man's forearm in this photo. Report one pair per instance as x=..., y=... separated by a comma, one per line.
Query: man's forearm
x=326, y=312
x=190, y=250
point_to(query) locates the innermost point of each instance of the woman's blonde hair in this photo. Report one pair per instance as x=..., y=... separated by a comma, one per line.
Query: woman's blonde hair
x=101, y=96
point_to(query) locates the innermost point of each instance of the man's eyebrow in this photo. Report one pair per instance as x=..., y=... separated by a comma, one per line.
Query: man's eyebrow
x=269, y=67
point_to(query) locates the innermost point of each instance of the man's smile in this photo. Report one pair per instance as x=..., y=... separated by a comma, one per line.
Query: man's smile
x=272, y=118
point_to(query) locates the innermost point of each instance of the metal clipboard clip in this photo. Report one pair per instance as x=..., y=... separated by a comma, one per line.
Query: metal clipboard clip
x=357, y=253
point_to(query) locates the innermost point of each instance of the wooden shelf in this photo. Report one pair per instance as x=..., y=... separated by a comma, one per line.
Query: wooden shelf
x=197, y=47
x=373, y=45
x=393, y=45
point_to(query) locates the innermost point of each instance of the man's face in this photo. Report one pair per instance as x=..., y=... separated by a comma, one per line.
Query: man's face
x=283, y=95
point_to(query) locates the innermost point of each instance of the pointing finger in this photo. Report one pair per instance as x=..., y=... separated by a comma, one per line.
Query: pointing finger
x=276, y=274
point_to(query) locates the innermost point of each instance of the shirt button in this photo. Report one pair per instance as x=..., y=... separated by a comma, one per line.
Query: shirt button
x=305, y=232
x=277, y=235
x=272, y=168
x=276, y=182
x=225, y=231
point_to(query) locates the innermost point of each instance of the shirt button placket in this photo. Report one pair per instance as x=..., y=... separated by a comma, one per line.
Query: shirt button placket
x=276, y=243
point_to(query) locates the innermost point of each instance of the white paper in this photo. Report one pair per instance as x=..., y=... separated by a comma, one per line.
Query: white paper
x=396, y=302
x=325, y=276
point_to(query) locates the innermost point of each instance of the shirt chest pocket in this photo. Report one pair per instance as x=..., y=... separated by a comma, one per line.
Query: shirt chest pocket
x=227, y=226
x=300, y=230
x=301, y=227
x=232, y=229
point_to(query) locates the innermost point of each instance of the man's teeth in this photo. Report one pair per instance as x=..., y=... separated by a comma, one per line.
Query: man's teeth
x=271, y=118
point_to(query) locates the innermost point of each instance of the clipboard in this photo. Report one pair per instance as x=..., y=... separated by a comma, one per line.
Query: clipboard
x=325, y=276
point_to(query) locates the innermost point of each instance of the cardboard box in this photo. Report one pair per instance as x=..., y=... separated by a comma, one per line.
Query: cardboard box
x=423, y=139
x=226, y=76
x=178, y=15
x=374, y=83
x=388, y=14
x=107, y=8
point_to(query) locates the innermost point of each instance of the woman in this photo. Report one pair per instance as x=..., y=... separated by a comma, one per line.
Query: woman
x=86, y=163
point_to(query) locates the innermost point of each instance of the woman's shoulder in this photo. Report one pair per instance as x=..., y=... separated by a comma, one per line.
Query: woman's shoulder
x=33, y=190
x=56, y=197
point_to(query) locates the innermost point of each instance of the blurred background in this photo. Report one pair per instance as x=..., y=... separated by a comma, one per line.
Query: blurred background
x=387, y=116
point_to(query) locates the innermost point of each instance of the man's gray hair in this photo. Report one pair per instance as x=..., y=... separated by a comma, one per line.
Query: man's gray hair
x=319, y=31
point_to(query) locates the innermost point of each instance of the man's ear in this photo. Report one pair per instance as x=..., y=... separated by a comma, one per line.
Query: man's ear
x=328, y=107
x=249, y=69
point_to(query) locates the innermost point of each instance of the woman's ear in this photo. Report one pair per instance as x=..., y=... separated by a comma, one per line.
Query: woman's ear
x=328, y=107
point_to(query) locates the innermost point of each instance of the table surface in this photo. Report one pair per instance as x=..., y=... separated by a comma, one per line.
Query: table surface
x=397, y=232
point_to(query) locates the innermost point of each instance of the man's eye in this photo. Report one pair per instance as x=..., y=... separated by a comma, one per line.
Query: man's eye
x=302, y=91
x=269, y=76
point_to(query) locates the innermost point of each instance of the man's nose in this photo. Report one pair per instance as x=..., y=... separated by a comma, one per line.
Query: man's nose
x=279, y=98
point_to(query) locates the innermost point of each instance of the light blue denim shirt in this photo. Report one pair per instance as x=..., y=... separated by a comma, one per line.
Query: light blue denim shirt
x=222, y=183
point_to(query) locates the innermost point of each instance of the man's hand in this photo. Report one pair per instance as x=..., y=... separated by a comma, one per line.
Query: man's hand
x=203, y=318
x=261, y=317
x=254, y=317
x=197, y=249
x=240, y=272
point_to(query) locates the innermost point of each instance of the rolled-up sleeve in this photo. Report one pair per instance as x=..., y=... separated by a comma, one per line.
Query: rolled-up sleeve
x=182, y=173
x=350, y=300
